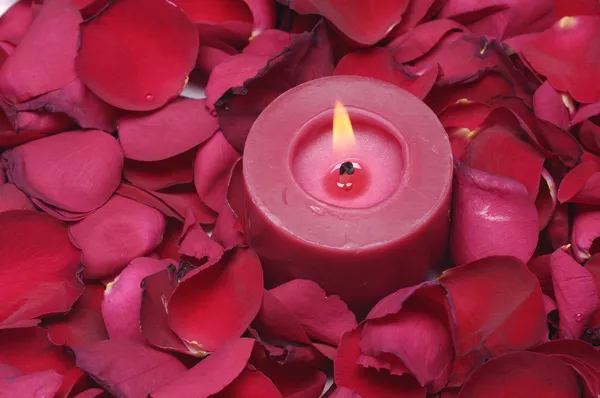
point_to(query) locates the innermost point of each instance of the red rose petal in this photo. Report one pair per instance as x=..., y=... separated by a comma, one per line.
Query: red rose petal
x=582, y=184
x=212, y=374
x=415, y=13
x=567, y=54
x=127, y=30
x=169, y=247
x=251, y=384
x=11, y=198
x=64, y=160
x=593, y=267
x=379, y=63
x=115, y=234
x=549, y=106
x=589, y=135
x=324, y=318
x=564, y=8
x=43, y=62
x=90, y=393
x=263, y=12
x=128, y=368
x=558, y=227
x=195, y=243
x=487, y=210
x=8, y=371
x=123, y=298
x=522, y=374
x=39, y=121
x=575, y=292
x=369, y=382
x=143, y=137
x=162, y=174
x=584, y=232
x=156, y=290
x=293, y=380
x=30, y=351
x=229, y=230
x=209, y=57
x=212, y=169
x=35, y=251
x=84, y=323
x=465, y=114
x=365, y=22
x=546, y=199
x=40, y=384
x=227, y=293
x=15, y=22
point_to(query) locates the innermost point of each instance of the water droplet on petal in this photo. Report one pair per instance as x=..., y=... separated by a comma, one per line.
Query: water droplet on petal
x=149, y=97
x=578, y=317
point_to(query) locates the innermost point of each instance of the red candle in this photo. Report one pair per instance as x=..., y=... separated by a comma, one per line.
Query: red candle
x=347, y=183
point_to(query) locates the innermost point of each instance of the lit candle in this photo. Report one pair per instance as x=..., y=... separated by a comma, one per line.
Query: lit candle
x=347, y=183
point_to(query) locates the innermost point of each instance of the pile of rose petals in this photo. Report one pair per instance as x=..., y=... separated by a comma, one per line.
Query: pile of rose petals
x=123, y=266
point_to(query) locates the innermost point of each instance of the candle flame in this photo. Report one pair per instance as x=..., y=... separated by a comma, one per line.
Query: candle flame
x=343, y=135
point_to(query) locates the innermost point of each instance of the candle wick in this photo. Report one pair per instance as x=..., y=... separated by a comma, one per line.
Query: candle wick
x=347, y=168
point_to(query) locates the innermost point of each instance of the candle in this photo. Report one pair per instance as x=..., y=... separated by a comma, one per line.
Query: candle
x=347, y=183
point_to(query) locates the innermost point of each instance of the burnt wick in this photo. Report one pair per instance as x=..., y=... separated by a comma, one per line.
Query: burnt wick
x=347, y=168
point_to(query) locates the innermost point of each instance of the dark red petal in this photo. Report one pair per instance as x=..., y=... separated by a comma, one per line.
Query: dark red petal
x=43, y=62
x=465, y=114
x=40, y=384
x=540, y=267
x=11, y=198
x=209, y=57
x=546, y=199
x=169, y=247
x=212, y=374
x=229, y=228
x=582, y=184
x=195, y=243
x=584, y=232
x=162, y=174
x=575, y=292
x=525, y=374
x=566, y=54
x=90, y=393
x=212, y=169
x=143, y=137
x=115, y=234
x=549, y=106
x=324, y=318
x=15, y=22
x=128, y=368
x=558, y=227
x=415, y=13
x=490, y=214
x=30, y=351
x=123, y=298
x=275, y=320
x=589, y=135
x=156, y=289
x=365, y=22
x=593, y=267
x=84, y=323
x=420, y=40
x=294, y=380
x=263, y=12
x=251, y=384
x=564, y=8
x=508, y=314
x=35, y=251
x=40, y=122
x=65, y=160
x=366, y=381
x=379, y=63
x=227, y=294
x=163, y=60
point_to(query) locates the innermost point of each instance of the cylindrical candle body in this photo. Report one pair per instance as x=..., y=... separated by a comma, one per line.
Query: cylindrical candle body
x=364, y=246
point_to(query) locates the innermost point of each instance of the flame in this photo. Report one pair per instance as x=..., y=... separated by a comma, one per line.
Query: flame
x=343, y=135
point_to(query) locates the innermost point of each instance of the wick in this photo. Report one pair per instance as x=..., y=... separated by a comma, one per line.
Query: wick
x=347, y=168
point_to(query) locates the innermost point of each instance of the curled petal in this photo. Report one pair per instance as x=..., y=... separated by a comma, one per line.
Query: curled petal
x=115, y=234
x=589, y=135
x=64, y=160
x=195, y=242
x=582, y=184
x=487, y=210
x=161, y=174
x=128, y=368
x=549, y=106
x=217, y=295
x=250, y=383
x=229, y=228
x=35, y=251
x=11, y=198
x=546, y=199
x=39, y=384
x=142, y=136
x=123, y=298
x=163, y=60
x=558, y=228
x=584, y=233
x=263, y=12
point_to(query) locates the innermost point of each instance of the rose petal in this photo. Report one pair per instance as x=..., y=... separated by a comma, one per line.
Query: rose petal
x=156, y=291
x=84, y=323
x=293, y=380
x=581, y=184
x=365, y=22
x=229, y=230
x=566, y=54
x=169, y=247
x=43, y=62
x=212, y=169
x=546, y=199
x=415, y=13
x=584, y=232
x=15, y=22
x=209, y=57
x=509, y=307
x=27, y=123
x=151, y=81
x=162, y=174
x=123, y=298
x=30, y=351
x=35, y=251
x=379, y=63
x=64, y=160
x=143, y=137
x=324, y=318
x=90, y=393
x=522, y=374
x=11, y=198
x=195, y=243
x=465, y=114
x=589, y=135
x=227, y=293
x=263, y=12
x=548, y=105
x=575, y=292
x=115, y=234
x=128, y=368
x=558, y=227
x=584, y=7
x=593, y=267
x=486, y=210
x=250, y=383
x=35, y=385
x=212, y=374
x=540, y=267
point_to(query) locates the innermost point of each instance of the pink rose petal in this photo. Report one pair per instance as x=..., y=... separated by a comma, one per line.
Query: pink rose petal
x=195, y=243
x=36, y=385
x=11, y=198
x=15, y=22
x=549, y=106
x=546, y=199
x=582, y=184
x=584, y=232
x=115, y=234
x=161, y=174
x=251, y=384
